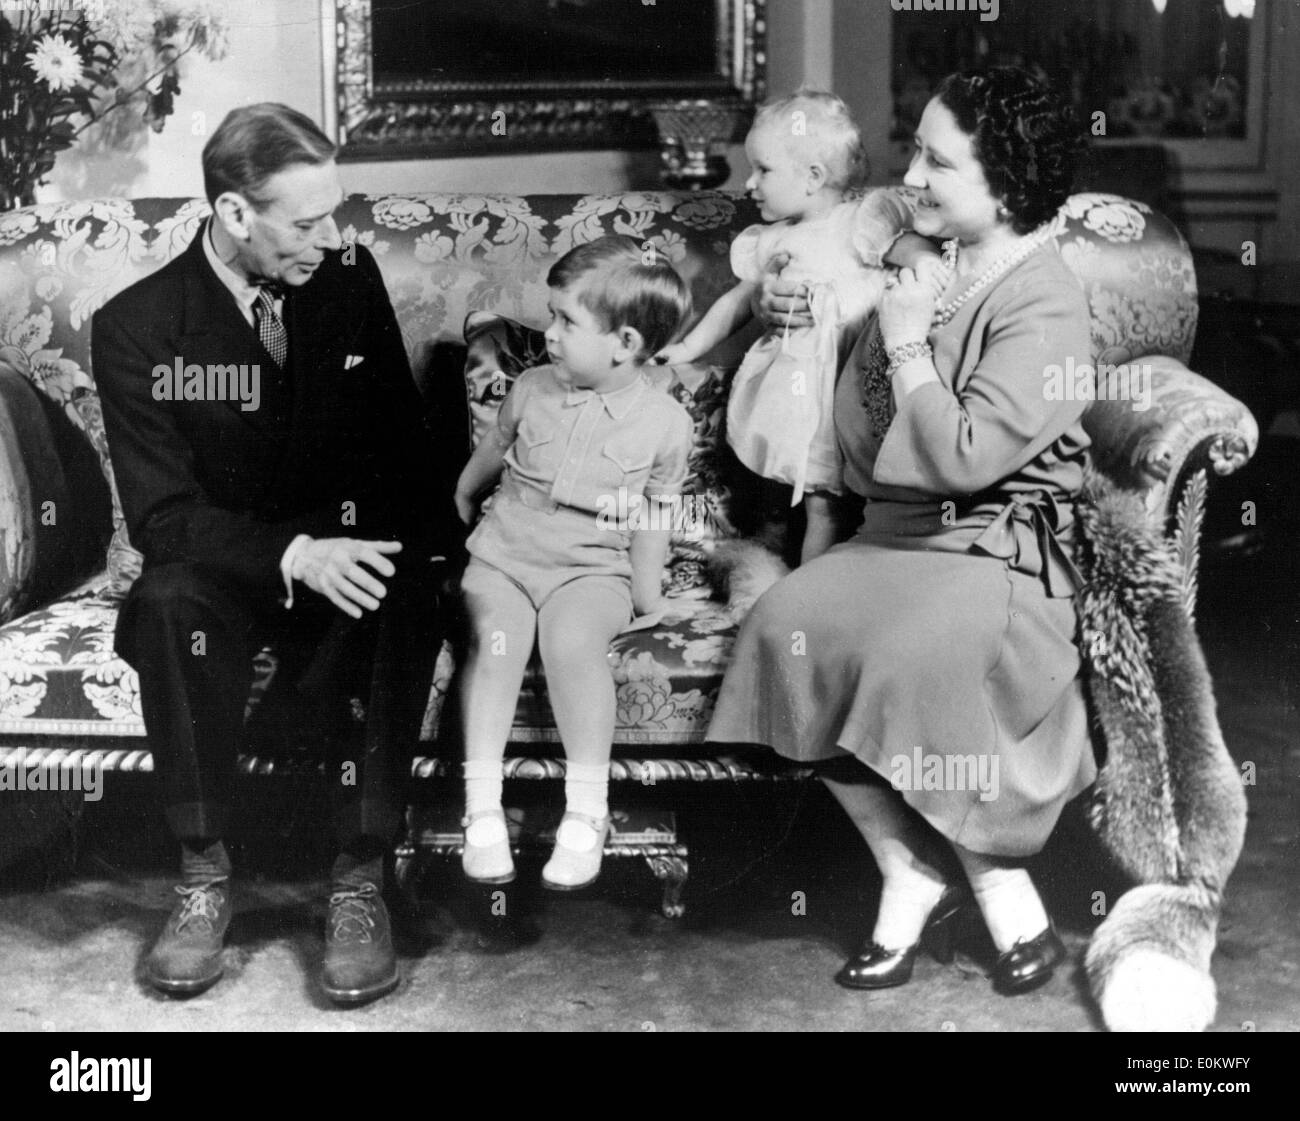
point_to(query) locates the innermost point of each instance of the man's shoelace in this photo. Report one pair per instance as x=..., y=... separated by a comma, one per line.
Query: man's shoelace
x=201, y=907
x=352, y=913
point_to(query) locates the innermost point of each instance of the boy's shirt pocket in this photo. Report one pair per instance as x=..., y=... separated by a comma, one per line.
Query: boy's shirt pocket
x=623, y=464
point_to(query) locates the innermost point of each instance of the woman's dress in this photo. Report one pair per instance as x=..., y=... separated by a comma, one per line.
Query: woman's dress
x=938, y=644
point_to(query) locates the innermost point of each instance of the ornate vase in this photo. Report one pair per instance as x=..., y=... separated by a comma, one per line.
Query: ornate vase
x=694, y=137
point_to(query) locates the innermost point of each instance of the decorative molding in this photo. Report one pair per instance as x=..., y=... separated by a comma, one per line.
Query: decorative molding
x=385, y=119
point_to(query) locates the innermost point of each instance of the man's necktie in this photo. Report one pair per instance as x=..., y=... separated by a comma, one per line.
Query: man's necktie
x=270, y=327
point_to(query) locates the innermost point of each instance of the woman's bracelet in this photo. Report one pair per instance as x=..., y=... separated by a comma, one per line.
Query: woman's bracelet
x=901, y=355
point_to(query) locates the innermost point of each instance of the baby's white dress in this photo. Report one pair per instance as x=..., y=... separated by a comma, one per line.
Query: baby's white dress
x=779, y=420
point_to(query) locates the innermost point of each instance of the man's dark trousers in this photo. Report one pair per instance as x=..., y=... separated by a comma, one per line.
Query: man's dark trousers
x=192, y=636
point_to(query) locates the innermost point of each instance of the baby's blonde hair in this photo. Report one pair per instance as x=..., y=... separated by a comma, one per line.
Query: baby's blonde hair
x=819, y=128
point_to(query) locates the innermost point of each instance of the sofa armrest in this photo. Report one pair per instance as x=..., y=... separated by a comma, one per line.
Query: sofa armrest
x=1172, y=423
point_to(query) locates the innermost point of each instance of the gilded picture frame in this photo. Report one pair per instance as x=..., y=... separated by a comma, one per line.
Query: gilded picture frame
x=377, y=111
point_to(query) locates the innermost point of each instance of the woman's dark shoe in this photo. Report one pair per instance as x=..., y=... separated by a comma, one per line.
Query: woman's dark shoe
x=1028, y=964
x=874, y=967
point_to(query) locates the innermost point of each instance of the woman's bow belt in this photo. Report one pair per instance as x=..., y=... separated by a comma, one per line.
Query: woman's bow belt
x=1025, y=532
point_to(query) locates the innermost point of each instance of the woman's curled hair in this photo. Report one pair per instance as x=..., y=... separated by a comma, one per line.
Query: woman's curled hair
x=1026, y=137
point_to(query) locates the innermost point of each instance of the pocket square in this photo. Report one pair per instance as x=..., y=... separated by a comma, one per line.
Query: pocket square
x=353, y=360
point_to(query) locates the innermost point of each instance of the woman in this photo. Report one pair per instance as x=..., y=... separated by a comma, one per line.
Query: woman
x=935, y=649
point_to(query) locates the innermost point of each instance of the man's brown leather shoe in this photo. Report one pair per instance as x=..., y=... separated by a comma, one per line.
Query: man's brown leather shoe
x=186, y=958
x=360, y=962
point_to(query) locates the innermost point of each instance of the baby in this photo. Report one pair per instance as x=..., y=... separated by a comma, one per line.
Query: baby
x=808, y=162
x=591, y=458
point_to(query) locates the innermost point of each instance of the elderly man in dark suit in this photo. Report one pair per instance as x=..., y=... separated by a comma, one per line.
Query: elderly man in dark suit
x=274, y=470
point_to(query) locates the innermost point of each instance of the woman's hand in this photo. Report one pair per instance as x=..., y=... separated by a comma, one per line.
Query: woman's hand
x=907, y=306
x=783, y=303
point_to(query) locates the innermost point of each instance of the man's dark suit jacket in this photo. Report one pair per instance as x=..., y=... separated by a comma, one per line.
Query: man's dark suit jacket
x=208, y=483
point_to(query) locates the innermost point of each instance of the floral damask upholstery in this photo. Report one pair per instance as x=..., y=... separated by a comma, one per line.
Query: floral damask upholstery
x=445, y=256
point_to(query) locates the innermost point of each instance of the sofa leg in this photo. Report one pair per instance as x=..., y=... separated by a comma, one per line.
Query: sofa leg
x=403, y=860
x=672, y=870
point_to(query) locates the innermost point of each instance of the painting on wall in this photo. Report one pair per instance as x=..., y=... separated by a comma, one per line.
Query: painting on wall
x=457, y=76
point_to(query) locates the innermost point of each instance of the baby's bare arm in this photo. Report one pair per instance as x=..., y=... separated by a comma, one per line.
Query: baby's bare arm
x=729, y=313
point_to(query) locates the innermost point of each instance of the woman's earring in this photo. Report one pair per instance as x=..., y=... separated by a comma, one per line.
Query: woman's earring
x=1003, y=212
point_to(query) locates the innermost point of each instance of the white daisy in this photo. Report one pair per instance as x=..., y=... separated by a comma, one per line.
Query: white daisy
x=56, y=62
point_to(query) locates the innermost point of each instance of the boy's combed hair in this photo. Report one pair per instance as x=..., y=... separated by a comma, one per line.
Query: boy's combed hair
x=622, y=290
x=821, y=129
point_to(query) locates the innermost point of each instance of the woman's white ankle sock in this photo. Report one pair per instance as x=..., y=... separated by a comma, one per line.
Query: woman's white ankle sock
x=586, y=788
x=906, y=901
x=1010, y=905
x=482, y=785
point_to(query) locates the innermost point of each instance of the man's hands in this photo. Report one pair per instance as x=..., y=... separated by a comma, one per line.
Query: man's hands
x=907, y=306
x=332, y=567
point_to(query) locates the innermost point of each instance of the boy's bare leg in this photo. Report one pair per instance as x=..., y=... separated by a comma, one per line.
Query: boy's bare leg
x=502, y=624
x=575, y=627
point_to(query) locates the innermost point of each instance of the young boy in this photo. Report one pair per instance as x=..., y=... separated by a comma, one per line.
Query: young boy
x=574, y=440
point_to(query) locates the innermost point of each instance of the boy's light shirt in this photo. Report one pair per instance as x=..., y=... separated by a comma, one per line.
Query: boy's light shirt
x=578, y=447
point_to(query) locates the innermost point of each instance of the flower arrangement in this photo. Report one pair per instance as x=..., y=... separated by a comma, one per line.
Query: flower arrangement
x=66, y=64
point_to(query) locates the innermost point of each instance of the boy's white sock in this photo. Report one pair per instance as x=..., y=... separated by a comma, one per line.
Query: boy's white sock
x=482, y=785
x=586, y=788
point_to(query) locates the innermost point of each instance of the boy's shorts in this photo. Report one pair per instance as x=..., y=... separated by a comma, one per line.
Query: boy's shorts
x=541, y=546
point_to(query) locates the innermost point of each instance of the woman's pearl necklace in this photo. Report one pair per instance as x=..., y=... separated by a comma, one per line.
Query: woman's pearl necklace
x=944, y=312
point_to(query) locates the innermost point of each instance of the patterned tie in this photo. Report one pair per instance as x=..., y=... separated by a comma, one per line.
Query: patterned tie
x=270, y=327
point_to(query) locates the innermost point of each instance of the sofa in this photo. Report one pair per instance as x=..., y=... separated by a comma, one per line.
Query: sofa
x=466, y=274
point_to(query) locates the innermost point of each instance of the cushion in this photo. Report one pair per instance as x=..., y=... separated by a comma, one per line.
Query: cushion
x=499, y=349
x=54, y=505
x=21, y=434
x=25, y=332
